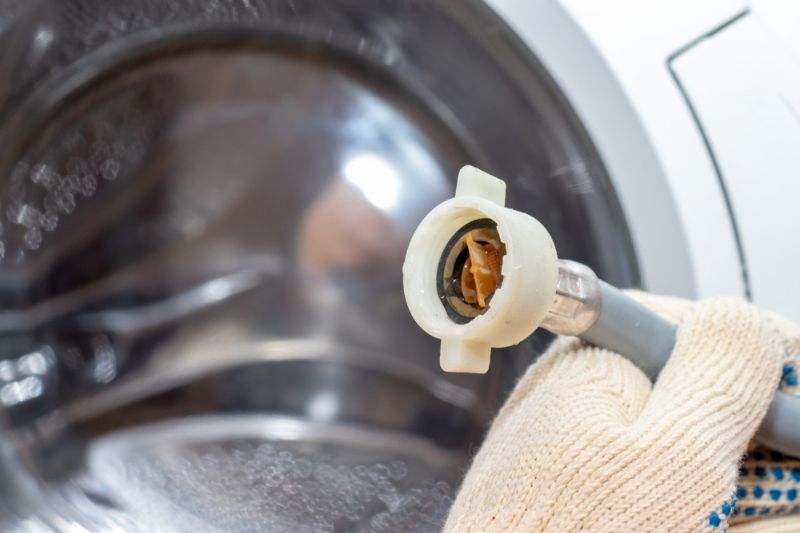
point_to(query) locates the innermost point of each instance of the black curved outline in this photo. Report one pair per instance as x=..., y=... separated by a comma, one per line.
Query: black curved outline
x=707, y=142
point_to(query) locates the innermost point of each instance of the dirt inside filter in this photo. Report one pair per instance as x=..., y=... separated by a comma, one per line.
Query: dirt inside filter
x=470, y=270
x=480, y=275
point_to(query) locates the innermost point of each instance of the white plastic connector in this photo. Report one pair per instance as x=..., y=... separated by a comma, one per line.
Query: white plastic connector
x=529, y=274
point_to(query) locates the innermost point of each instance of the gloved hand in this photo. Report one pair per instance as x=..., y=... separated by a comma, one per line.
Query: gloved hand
x=586, y=442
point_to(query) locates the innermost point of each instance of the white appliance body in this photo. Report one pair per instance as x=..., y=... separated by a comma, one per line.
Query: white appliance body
x=695, y=110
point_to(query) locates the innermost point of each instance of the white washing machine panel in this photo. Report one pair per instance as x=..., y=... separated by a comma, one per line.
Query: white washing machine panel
x=745, y=87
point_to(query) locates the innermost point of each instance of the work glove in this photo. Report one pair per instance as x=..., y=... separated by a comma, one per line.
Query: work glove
x=586, y=442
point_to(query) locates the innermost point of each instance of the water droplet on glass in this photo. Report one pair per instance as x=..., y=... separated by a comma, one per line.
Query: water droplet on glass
x=44, y=176
x=49, y=222
x=109, y=169
x=88, y=184
x=397, y=470
x=65, y=201
x=33, y=238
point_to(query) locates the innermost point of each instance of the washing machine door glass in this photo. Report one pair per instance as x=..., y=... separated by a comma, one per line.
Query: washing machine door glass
x=204, y=208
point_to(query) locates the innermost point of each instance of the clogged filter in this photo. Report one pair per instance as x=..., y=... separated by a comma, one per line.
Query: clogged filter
x=478, y=275
x=469, y=270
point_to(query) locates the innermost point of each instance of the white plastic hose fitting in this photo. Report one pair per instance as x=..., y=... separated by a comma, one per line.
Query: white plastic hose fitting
x=527, y=288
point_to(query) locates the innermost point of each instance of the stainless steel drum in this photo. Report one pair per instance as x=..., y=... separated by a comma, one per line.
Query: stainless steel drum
x=205, y=206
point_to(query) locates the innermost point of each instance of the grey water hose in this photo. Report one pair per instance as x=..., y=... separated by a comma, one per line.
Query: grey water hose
x=645, y=338
x=606, y=317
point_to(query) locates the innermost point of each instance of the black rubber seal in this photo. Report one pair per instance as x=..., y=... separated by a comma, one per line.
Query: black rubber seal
x=441, y=282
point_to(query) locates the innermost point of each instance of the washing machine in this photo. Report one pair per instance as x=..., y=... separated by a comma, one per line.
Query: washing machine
x=204, y=207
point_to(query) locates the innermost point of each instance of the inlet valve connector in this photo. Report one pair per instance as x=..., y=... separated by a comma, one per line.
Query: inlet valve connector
x=478, y=275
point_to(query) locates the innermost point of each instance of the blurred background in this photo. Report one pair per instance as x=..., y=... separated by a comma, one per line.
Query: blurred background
x=204, y=211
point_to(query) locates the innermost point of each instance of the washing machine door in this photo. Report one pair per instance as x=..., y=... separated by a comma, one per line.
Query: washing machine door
x=205, y=207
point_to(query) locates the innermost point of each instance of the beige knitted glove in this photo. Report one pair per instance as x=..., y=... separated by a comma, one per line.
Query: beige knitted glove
x=587, y=443
x=769, y=482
